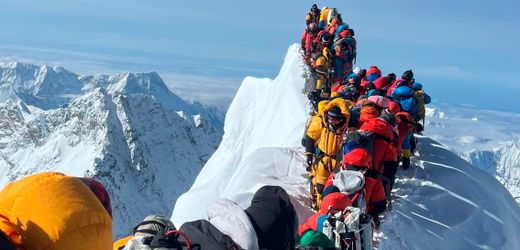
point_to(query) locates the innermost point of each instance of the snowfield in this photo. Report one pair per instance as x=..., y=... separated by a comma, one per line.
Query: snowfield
x=489, y=140
x=442, y=202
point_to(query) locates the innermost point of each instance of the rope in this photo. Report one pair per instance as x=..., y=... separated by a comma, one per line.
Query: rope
x=183, y=235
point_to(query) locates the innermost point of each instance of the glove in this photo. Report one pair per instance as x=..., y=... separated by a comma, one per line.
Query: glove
x=309, y=162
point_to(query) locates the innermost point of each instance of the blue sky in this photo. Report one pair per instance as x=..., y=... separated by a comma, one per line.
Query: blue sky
x=464, y=52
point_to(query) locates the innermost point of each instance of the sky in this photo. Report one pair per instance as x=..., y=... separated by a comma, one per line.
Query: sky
x=464, y=52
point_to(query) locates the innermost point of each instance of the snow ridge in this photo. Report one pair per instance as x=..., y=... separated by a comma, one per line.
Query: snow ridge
x=442, y=202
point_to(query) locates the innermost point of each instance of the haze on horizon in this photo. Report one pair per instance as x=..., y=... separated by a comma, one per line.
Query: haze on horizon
x=464, y=52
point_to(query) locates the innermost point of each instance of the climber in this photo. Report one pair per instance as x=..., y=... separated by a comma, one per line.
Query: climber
x=271, y=216
x=313, y=16
x=58, y=212
x=405, y=125
x=345, y=53
x=322, y=67
x=379, y=86
x=405, y=80
x=270, y=222
x=322, y=144
x=333, y=26
x=316, y=122
x=422, y=99
x=373, y=73
x=323, y=40
x=352, y=82
x=355, y=185
x=384, y=153
x=366, y=109
x=308, y=41
x=337, y=200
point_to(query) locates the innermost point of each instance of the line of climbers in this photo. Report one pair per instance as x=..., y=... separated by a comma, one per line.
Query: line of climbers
x=52, y=211
x=329, y=47
x=361, y=128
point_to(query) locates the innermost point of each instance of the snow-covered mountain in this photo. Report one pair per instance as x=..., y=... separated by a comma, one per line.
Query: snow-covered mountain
x=487, y=139
x=440, y=203
x=128, y=131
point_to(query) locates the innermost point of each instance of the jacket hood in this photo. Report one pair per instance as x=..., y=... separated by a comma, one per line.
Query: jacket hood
x=403, y=91
x=338, y=201
x=344, y=106
x=230, y=219
x=381, y=83
x=321, y=106
x=54, y=211
x=274, y=218
x=378, y=126
x=373, y=70
x=358, y=157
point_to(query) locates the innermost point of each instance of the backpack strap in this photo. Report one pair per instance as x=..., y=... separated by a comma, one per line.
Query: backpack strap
x=183, y=235
x=355, y=196
x=149, y=231
x=383, y=138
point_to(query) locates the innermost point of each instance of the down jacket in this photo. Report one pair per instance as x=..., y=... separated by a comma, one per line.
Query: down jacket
x=53, y=211
x=384, y=148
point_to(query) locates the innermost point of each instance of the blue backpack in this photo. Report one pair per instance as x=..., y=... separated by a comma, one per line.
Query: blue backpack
x=405, y=97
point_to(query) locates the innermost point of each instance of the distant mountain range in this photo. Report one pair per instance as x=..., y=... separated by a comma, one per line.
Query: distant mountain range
x=144, y=143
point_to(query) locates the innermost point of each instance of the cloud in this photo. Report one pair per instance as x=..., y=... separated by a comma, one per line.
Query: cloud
x=213, y=91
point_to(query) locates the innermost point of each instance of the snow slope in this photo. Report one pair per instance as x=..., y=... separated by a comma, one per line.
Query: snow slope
x=442, y=203
x=445, y=203
x=264, y=113
x=489, y=140
x=144, y=143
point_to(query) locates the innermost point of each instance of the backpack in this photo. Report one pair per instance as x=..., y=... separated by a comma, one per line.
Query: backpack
x=421, y=110
x=406, y=99
x=351, y=227
x=409, y=104
x=361, y=139
x=156, y=232
x=348, y=47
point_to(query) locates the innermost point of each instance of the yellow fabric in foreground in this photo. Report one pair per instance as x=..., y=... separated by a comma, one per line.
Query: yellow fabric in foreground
x=56, y=212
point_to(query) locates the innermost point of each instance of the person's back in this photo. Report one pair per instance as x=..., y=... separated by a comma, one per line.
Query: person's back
x=308, y=40
x=336, y=200
x=384, y=149
x=274, y=218
x=405, y=97
x=406, y=79
x=360, y=159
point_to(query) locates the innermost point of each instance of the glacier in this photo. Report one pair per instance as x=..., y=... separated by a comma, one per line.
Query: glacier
x=442, y=202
